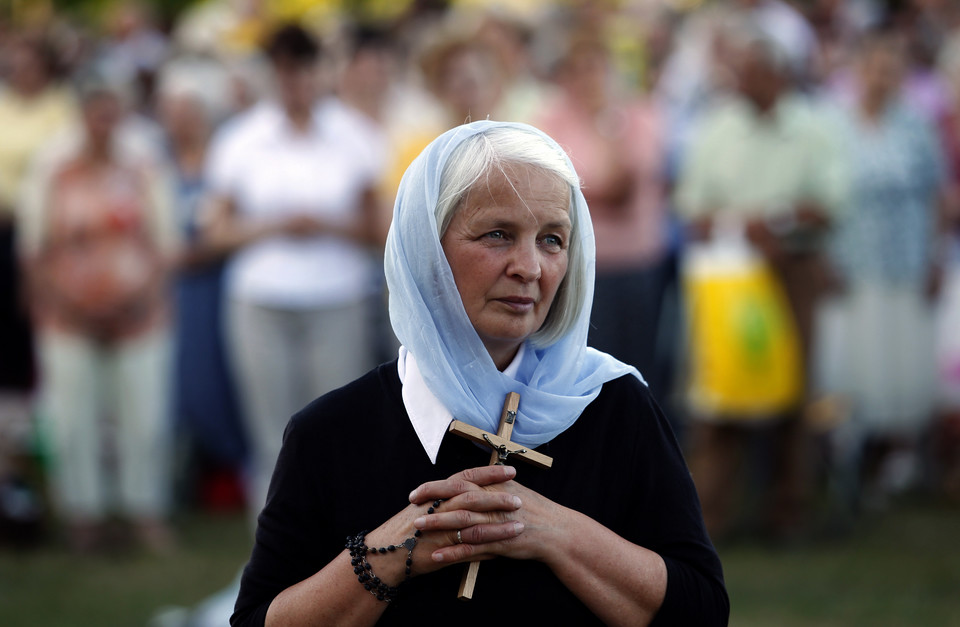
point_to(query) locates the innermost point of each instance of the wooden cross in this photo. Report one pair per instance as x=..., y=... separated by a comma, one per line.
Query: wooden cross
x=502, y=449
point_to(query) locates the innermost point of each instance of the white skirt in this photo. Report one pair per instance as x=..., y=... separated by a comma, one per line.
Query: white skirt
x=875, y=346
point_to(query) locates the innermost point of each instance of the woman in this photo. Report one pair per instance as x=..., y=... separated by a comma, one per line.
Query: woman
x=301, y=275
x=885, y=256
x=33, y=109
x=98, y=243
x=615, y=140
x=490, y=269
x=205, y=407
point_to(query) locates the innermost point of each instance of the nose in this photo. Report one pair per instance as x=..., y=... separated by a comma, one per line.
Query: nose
x=525, y=261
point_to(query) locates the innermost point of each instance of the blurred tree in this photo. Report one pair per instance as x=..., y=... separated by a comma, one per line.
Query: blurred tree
x=165, y=11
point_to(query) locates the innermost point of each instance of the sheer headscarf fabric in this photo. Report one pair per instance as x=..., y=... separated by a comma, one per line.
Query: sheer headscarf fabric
x=555, y=382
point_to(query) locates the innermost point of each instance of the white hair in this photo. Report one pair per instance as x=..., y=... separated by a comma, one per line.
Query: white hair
x=490, y=151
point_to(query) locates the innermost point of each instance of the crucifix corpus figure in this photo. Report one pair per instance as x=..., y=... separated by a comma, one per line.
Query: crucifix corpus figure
x=502, y=449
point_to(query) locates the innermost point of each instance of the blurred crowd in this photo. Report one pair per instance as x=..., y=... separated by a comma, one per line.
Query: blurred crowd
x=192, y=214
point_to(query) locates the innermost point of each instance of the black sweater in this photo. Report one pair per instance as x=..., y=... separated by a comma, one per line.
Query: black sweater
x=350, y=458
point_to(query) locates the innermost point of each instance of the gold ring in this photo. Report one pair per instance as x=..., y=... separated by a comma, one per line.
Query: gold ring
x=459, y=537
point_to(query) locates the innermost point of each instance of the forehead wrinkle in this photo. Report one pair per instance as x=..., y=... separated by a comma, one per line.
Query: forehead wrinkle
x=511, y=174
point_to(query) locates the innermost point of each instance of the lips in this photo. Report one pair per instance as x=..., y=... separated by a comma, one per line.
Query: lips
x=518, y=303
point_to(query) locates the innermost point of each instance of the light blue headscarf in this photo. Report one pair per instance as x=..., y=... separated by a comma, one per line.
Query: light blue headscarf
x=555, y=383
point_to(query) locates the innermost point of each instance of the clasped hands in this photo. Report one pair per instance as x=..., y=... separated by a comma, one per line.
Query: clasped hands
x=494, y=515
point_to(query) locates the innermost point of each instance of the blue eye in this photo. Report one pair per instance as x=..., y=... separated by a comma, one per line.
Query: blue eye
x=553, y=241
x=496, y=235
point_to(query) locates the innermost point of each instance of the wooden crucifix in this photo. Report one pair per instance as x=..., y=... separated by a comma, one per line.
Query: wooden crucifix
x=502, y=449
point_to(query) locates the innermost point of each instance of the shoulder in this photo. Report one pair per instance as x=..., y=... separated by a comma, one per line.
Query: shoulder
x=627, y=411
x=250, y=125
x=353, y=408
x=801, y=113
x=631, y=395
x=234, y=148
x=350, y=127
x=626, y=387
x=910, y=120
x=724, y=115
x=335, y=110
x=645, y=116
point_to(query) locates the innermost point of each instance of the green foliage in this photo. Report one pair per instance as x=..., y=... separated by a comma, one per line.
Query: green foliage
x=94, y=11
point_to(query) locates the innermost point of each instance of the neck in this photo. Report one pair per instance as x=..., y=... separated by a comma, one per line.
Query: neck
x=591, y=104
x=503, y=356
x=98, y=151
x=30, y=91
x=299, y=117
x=763, y=106
x=189, y=154
x=873, y=105
x=369, y=104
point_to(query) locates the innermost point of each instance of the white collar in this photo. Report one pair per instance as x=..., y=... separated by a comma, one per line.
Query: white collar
x=429, y=417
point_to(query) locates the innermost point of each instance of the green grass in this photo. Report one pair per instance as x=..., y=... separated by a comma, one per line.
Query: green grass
x=902, y=568
x=51, y=587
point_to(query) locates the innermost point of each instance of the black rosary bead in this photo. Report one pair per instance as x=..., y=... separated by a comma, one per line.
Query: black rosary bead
x=358, y=549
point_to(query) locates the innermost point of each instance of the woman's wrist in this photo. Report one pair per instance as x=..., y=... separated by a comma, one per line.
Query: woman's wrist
x=391, y=566
x=383, y=589
x=386, y=551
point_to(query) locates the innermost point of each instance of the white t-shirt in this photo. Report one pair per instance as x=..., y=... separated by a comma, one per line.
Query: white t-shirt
x=269, y=169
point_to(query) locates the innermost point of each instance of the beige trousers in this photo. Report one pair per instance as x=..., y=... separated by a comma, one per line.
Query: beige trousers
x=105, y=409
x=285, y=358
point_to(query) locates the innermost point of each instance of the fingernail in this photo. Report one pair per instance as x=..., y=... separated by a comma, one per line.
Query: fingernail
x=518, y=527
x=517, y=502
x=511, y=471
x=418, y=523
x=437, y=557
x=412, y=494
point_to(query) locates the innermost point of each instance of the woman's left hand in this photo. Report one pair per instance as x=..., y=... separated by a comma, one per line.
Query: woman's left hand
x=542, y=520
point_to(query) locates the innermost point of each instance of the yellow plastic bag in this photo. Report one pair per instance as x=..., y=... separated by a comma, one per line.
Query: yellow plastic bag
x=744, y=353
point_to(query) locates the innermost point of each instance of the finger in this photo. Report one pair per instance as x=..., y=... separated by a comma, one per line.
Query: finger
x=484, y=507
x=486, y=475
x=483, y=534
x=479, y=542
x=461, y=482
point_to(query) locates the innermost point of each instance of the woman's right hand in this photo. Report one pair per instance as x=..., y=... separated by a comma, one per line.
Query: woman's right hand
x=478, y=501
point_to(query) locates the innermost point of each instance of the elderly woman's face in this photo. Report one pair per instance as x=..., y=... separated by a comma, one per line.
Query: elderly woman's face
x=507, y=246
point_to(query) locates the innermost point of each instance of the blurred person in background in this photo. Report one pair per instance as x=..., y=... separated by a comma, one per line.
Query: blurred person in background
x=365, y=81
x=614, y=140
x=511, y=38
x=133, y=48
x=98, y=239
x=838, y=26
x=921, y=28
x=698, y=69
x=888, y=275
x=462, y=82
x=190, y=101
x=947, y=430
x=371, y=81
x=34, y=107
x=292, y=198
x=765, y=157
